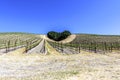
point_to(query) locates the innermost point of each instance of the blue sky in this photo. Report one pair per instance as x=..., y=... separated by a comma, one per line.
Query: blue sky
x=78, y=16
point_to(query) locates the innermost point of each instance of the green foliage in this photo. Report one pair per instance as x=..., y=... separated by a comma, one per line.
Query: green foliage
x=58, y=36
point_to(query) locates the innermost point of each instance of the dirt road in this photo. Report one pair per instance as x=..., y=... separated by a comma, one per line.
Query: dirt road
x=39, y=49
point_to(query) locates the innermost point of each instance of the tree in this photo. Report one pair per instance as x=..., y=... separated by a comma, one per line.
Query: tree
x=58, y=36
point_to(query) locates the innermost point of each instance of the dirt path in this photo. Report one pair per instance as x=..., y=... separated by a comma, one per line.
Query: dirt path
x=39, y=49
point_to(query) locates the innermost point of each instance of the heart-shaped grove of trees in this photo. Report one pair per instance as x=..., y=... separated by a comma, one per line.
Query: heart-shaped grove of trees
x=58, y=36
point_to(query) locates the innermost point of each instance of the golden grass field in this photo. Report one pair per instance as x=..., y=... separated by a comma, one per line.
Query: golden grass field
x=84, y=66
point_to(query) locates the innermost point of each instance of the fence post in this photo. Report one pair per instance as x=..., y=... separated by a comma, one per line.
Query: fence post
x=9, y=45
x=95, y=47
x=105, y=46
x=61, y=47
x=26, y=46
x=15, y=44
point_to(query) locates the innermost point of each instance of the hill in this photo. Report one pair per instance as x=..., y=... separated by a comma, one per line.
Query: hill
x=59, y=66
x=96, y=38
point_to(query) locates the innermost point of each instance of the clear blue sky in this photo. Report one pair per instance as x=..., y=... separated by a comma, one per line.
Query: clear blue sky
x=78, y=16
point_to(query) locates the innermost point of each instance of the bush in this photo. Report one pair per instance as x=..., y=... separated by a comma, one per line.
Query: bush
x=58, y=36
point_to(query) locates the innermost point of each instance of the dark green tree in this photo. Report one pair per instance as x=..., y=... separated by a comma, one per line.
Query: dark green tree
x=58, y=36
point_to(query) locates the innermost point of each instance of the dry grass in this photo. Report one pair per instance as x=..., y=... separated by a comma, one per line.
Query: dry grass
x=69, y=39
x=84, y=66
x=17, y=65
x=51, y=50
